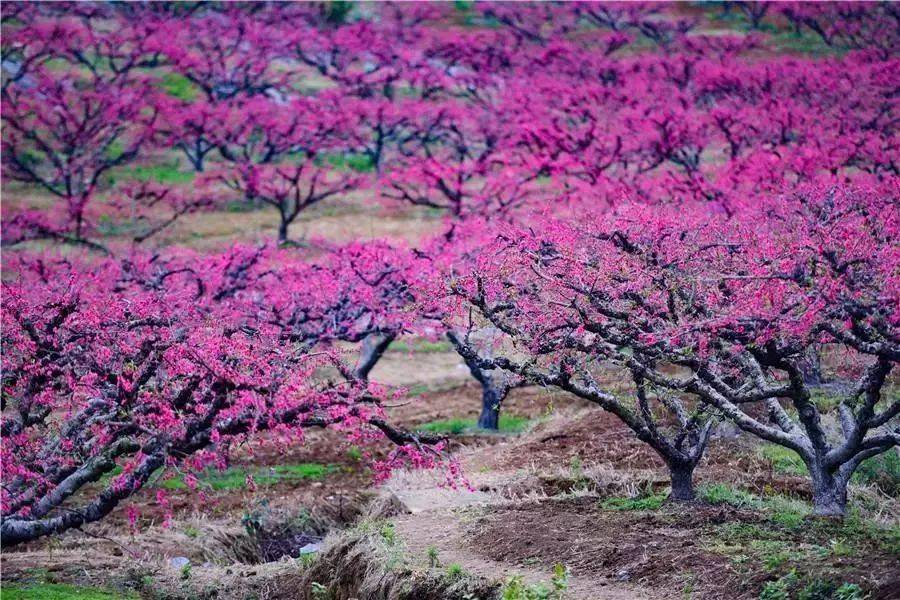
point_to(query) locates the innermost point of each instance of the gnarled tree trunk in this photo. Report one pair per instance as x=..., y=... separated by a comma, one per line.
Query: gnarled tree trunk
x=829, y=488
x=829, y=497
x=373, y=348
x=495, y=384
x=283, y=225
x=682, y=476
x=493, y=392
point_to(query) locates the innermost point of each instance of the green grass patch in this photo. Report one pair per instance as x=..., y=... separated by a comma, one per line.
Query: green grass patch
x=179, y=86
x=31, y=157
x=802, y=43
x=57, y=64
x=825, y=401
x=235, y=478
x=883, y=471
x=455, y=571
x=342, y=161
x=361, y=163
x=784, y=552
x=355, y=453
x=241, y=206
x=783, y=460
x=788, y=512
x=59, y=591
x=793, y=552
x=418, y=389
x=780, y=509
x=651, y=502
x=814, y=538
x=114, y=150
x=166, y=173
x=108, y=226
x=740, y=532
x=720, y=493
x=791, y=586
x=779, y=589
x=516, y=589
x=774, y=554
x=460, y=425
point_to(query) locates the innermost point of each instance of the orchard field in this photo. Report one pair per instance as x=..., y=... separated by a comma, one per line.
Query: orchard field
x=450, y=300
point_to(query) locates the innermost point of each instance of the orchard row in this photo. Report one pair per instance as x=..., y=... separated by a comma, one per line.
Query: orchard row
x=620, y=188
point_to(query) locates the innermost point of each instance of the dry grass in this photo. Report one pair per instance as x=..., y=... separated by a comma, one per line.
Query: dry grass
x=370, y=562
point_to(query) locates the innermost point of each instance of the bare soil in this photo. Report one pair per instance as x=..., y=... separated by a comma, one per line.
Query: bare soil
x=445, y=530
x=665, y=549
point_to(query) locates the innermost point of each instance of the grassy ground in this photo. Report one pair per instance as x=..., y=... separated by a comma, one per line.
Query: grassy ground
x=237, y=478
x=56, y=591
x=459, y=425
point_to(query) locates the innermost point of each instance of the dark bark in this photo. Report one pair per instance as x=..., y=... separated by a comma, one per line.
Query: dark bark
x=493, y=392
x=372, y=349
x=196, y=155
x=495, y=385
x=755, y=13
x=829, y=492
x=15, y=531
x=196, y=162
x=682, y=475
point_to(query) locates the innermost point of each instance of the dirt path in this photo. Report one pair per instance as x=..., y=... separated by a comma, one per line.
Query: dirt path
x=421, y=370
x=442, y=519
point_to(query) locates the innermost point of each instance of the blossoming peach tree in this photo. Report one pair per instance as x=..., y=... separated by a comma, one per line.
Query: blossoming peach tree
x=711, y=318
x=146, y=363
